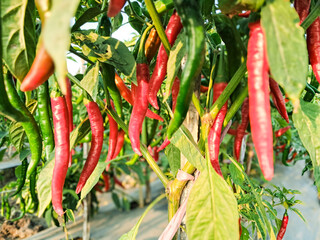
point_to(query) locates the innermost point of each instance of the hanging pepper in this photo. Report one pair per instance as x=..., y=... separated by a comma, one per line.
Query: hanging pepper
x=191, y=19
x=22, y=176
x=62, y=150
x=241, y=130
x=96, y=123
x=44, y=118
x=284, y=225
x=313, y=44
x=278, y=99
x=173, y=29
x=281, y=131
x=175, y=91
x=259, y=104
x=115, y=7
x=152, y=44
x=127, y=94
x=113, y=136
x=70, y=111
x=215, y=132
x=120, y=143
x=302, y=8
x=140, y=98
x=30, y=126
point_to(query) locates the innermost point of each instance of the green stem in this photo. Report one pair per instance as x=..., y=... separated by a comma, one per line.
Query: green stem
x=236, y=105
x=80, y=55
x=208, y=102
x=163, y=6
x=152, y=163
x=158, y=25
x=311, y=17
x=197, y=105
x=135, y=14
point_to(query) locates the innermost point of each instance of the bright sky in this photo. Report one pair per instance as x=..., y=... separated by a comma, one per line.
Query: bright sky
x=124, y=33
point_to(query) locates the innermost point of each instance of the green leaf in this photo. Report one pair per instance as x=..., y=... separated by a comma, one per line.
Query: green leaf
x=56, y=33
x=217, y=218
x=108, y=50
x=236, y=175
x=93, y=179
x=79, y=132
x=116, y=22
x=70, y=215
x=177, y=52
x=307, y=121
x=16, y=135
x=182, y=140
x=86, y=17
x=173, y=155
x=286, y=46
x=297, y=211
x=231, y=6
x=90, y=81
x=18, y=35
x=245, y=234
x=131, y=235
x=44, y=185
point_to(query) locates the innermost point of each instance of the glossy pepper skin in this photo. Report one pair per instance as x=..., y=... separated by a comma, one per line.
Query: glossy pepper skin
x=215, y=131
x=174, y=92
x=152, y=44
x=30, y=126
x=313, y=44
x=281, y=131
x=191, y=19
x=120, y=143
x=44, y=109
x=173, y=29
x=283, y=228
x=241, y=130
x=62, y=151
x=278, y=99
x=96, y=123
x=68, y=98
x=140, y=106
x=115, y=7
x=41, y=69
x=113, y=136
x=128, y=95
x=259, y=104
x=302, y=8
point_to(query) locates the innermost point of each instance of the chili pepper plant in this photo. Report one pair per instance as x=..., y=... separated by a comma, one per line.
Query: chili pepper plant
x=218, y=93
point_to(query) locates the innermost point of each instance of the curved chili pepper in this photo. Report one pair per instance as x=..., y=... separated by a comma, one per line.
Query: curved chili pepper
x=118, y=182
x=22, y=178
x=165, y=143
x=281, y=131
x=313, y=44
x=120, y=143
x=44, y=117
x=152, y=44
x=245, y=14
x=96, y=123
x=232, y=131
x=41, y=69
x=278, y=99
x=106, y=179
x=259, y=104
x=62, y=151
x=284, y=224
x=30, y=126
x=140, y=106
x=175, y=91
x=302, y=8
x=191, y=19
x=127, y=94
x=204, y=89
x=241, y=131
x=70, y=111
x=115, y=7
x=113, y=136
x=215, y=131
x=32, y=187
x=173, y=29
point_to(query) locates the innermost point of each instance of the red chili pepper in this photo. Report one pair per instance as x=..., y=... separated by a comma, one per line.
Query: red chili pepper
x=96, y=122
x=215, y=131
x=245, y=14
x=97, y=187
x=165, y=143
x=175, y=91
x=118, y=182
x=120, y=143
x=140, y=106
x=62, y=151
x=232, y=132
x=241, y=131
x=42, y=68
x=173, y=29
x=283, y=227
x=278, y=99
x=259, y=104
x=127, y=94
x=70, y=112
x=106, y=179
x=281, y=147
x=115, y=7
x=313, y=43
x=302, y=8
x=203, y=89
x=155, y=153
x=281, y=131
x=113, y=137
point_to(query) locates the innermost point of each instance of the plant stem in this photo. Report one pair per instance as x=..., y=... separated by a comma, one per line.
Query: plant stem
x=197, y=105
x=311, y=17
x=80, y=55
x=158, y=25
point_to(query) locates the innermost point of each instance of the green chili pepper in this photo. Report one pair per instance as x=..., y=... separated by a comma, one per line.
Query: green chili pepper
x=33, y=189
x=22, y=209
x=108, y=75
x=21, y=176
x=191, y=19
x=44, y=118
x=30, y=126
x=8, y=207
